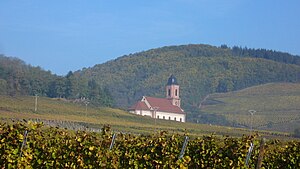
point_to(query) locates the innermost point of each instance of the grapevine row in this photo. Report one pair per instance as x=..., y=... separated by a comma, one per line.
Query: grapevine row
x=51, y=147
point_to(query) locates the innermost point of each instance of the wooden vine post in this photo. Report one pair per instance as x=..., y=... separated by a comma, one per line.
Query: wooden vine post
x=112, y=141
x=261, y=153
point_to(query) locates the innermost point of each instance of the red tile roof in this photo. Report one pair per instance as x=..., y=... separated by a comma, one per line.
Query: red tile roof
x=139, y=106
x=162, y=104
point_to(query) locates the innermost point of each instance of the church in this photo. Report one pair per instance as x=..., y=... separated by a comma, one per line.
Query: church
x=162, y=108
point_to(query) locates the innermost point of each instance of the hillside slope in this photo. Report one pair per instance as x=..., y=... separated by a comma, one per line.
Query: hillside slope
x=76, y=116
x=276, y=104
x=200, y=70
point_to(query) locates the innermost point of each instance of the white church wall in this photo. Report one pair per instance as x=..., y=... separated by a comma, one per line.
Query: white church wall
x=170, y=116
x=161, y=115
x=146, y=113
x=142, y=112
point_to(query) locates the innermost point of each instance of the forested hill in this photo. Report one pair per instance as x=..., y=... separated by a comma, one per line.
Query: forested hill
x=200, y=70
x=18, y=78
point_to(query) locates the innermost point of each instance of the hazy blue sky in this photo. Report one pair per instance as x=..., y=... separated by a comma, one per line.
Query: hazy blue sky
x=64, y=35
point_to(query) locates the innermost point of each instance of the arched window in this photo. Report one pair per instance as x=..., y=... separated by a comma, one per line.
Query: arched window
x=163, y=117
x=169, y=92
x=180, y=119
x=176, y=92
x=169, y=118
x=158, y=116
x=175, y=118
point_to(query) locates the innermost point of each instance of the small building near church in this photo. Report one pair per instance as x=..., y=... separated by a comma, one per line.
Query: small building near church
x=162, y=108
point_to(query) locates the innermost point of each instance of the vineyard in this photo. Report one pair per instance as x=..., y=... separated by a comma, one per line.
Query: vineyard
x=33, y=145
x=276, y=104
x=59, y=113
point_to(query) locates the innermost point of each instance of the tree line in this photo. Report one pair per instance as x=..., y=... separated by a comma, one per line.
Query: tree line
x=18, y=78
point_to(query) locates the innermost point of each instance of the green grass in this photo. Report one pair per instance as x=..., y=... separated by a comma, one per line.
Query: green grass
x=59, y=110
x=277, y=106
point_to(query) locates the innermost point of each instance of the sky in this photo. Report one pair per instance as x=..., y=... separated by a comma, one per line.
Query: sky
x=68, y=35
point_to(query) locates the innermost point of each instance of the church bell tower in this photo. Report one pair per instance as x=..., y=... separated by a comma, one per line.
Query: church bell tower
x=172, y=91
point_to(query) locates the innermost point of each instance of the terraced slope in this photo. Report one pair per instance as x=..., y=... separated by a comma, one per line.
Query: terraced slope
x=277, y=106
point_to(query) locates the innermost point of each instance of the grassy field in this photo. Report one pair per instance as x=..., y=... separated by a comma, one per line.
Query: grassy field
x=277, y=106
x=75, y=116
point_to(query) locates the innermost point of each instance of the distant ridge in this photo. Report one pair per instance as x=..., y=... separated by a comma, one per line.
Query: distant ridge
x=204, y=50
